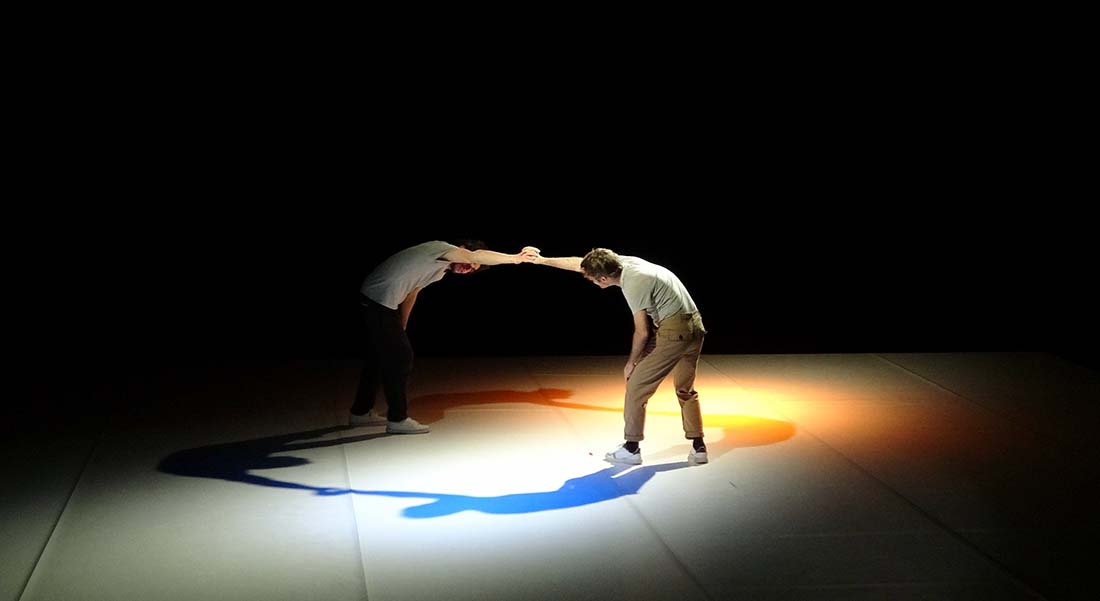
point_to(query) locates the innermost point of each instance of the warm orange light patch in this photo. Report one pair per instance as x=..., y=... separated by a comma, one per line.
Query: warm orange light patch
x=737, y=413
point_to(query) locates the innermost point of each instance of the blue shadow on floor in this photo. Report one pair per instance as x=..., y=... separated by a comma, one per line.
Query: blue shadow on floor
x=593, y=488
x=235, y=461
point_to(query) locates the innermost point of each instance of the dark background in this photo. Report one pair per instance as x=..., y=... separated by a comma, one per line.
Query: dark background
x=230, y=212
x=209, y=206
x=209, y=284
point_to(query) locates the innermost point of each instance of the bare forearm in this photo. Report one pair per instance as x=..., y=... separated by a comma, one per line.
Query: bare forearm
x=638, y=346
x=566, y=263
x=492, y=257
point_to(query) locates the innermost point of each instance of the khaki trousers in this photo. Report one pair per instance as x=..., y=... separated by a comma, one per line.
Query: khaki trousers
x=679, y=340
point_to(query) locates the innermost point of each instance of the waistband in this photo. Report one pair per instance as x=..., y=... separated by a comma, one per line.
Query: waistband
x=678, y=318
x=370, y=303
x=680, y=323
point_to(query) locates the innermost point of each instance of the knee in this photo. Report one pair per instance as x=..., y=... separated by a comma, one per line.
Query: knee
x=634, y=391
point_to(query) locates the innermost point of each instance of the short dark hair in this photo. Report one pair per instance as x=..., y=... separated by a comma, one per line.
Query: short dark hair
x=601, y=262
x=469, y=243
x=472, y=244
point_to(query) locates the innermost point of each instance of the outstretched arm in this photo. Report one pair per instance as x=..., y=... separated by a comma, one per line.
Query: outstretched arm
x=566, y=263
x=487, y=257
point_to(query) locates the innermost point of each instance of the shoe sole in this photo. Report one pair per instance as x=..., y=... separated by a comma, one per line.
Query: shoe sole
x=388, y=431
x=621, y=461
x=698, y=458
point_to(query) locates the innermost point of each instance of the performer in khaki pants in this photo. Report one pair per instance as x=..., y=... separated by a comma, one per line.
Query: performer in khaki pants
x=668, y=337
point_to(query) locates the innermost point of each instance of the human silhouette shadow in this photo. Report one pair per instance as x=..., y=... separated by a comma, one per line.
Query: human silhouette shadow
x=235, y=460
x=596, y=487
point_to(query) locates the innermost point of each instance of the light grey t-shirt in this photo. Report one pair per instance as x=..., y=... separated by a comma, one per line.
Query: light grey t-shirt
x=653, y=288
x=415, y=267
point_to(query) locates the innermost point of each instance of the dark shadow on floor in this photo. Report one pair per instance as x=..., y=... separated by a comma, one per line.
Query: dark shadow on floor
x=592, y=488
x=236, y=461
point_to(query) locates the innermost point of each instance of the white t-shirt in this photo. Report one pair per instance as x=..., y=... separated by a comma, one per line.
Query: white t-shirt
x=653, y=288
x=415, y=267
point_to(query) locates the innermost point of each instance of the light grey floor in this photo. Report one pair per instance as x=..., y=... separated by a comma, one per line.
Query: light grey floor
x=923, y=476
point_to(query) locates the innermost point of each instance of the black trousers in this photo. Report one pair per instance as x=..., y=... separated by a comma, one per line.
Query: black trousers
x=389, y=359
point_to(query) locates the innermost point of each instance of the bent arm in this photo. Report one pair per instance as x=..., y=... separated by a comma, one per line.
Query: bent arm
x=406, y=307
x=641, y=337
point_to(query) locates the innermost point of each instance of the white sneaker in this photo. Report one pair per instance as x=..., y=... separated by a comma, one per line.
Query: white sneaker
x=698, y=456
x=407, y=426
x=621, y=455
x=369, y=418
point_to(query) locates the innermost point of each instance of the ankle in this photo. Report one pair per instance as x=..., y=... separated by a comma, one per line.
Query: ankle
x=631, y=446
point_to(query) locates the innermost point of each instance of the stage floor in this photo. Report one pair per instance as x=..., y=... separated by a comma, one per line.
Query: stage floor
x=861, y=476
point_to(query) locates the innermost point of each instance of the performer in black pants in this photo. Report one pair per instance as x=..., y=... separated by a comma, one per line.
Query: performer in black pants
x=387, y=296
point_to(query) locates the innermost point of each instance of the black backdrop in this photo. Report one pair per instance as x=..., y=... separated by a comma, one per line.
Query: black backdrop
x=206, y=283
x=207, y=228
